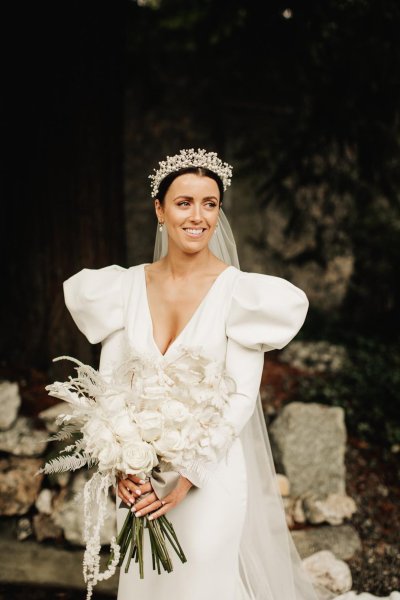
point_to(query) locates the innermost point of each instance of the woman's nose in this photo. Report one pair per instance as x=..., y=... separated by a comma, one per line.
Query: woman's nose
x=197, y=214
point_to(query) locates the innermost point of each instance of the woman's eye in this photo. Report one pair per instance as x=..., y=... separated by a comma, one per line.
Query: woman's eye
x=184, y=202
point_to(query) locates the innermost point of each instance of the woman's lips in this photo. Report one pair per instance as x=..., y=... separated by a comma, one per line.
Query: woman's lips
x=190, y=231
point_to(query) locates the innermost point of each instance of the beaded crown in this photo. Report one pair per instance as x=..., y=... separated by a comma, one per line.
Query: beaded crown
x=190, y=158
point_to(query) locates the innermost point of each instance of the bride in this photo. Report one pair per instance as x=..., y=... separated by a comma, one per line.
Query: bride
x=228, y=516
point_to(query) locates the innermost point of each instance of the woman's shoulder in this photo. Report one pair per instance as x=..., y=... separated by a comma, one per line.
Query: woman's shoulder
x=265, y=311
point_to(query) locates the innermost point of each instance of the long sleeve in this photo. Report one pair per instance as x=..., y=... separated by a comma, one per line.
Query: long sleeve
x=265, y=313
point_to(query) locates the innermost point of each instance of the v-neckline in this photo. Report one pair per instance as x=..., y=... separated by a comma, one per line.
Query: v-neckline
x=150, y=319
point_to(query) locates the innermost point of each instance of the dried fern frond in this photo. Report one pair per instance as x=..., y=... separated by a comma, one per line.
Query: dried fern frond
x=64, y=434
x=64, y=463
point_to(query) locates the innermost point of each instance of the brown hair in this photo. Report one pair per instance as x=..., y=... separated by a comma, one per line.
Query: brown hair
x=203, y=171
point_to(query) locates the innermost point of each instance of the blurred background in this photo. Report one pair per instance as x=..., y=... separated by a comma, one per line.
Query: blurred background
x=303, y=100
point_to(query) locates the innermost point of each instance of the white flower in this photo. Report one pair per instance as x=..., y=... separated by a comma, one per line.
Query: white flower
x=137, y=457
x=202, y=394
x=192, y=432
x=221, y=435
x=170, y=445
x=111, y=401
x=97, y=432
x=124, y=427
x=150, y=424
x=109, y=455
x=174, y=411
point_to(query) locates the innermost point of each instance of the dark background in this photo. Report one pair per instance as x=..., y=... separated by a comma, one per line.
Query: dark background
x=306, y=93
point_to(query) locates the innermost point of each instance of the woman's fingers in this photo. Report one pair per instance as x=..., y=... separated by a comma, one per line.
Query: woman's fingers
x=146, y=505
x=124, y=494
x=129, y=491
x=135, y=479
x=159, y=512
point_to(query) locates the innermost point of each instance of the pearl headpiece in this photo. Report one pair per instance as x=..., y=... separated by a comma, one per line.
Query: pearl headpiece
x=190, y=158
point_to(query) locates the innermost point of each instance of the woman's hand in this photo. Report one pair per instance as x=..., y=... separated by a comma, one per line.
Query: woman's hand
x=130, y=488
x=143, y=506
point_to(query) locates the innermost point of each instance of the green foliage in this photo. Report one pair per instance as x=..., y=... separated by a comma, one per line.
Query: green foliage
x=368, y=388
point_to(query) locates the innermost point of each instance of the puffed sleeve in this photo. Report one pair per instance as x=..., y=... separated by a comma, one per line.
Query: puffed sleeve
x=266, y=312
x=94, y=297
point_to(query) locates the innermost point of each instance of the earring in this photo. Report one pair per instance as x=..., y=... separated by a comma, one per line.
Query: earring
x=160, y=225
x=215, y=230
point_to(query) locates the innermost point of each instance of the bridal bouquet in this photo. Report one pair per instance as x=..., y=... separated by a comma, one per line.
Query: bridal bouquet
x=148, y=417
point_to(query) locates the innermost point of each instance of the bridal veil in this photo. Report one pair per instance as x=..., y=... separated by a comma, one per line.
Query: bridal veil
x=269, y=563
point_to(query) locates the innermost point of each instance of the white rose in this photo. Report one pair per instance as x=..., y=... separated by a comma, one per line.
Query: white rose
x=109, y=456
x=191, y=433
x=189, y=377
x=202, y=393
x=170, y=445
x=137, y=457
x=97, y=432
x=112, y=401
x=150, y=424
x=124, y=427
x=153, y=392
x=175, y=411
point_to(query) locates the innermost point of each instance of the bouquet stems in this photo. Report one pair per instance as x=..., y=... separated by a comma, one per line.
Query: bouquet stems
x=130, y=540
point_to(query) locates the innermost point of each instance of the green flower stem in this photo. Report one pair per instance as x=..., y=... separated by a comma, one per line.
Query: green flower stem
x=132, y=548
x=140, y=546
x=124, y=528
x=131, y=542
x=177, y=547
x=166, y=523
x=164, y=555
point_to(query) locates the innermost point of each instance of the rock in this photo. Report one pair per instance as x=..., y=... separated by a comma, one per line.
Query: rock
x=10, y=402
x=31, y=564
x=62, y=479
x=308, y=443
x=45, y=528
x=316, y=357
x=328, y=573
x=343, y=540
x=331, y=509
x=19, y=487
x=50, y=415
x=68, y=512
x=22, y=439
x=24, y=529
x=283, y=484
x=44, y=501
x=294, y=510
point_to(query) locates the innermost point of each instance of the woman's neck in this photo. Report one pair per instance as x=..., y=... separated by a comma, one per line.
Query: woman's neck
x=180, y=264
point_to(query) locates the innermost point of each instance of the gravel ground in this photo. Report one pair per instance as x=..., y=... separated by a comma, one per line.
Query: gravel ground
x=373, y=481
x=12, y=592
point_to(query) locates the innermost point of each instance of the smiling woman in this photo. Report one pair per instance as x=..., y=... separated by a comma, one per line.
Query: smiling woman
x=193, y=299
x=189, y=203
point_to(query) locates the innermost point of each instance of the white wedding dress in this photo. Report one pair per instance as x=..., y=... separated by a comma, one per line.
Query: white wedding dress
x=242, y=316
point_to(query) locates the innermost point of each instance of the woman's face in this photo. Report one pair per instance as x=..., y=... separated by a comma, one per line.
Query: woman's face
x=190, y=211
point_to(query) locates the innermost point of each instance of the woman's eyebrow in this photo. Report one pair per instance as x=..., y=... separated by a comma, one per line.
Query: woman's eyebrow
x=191, y=197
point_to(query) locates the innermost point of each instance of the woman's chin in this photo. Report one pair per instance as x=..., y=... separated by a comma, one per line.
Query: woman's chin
x=191, y=244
